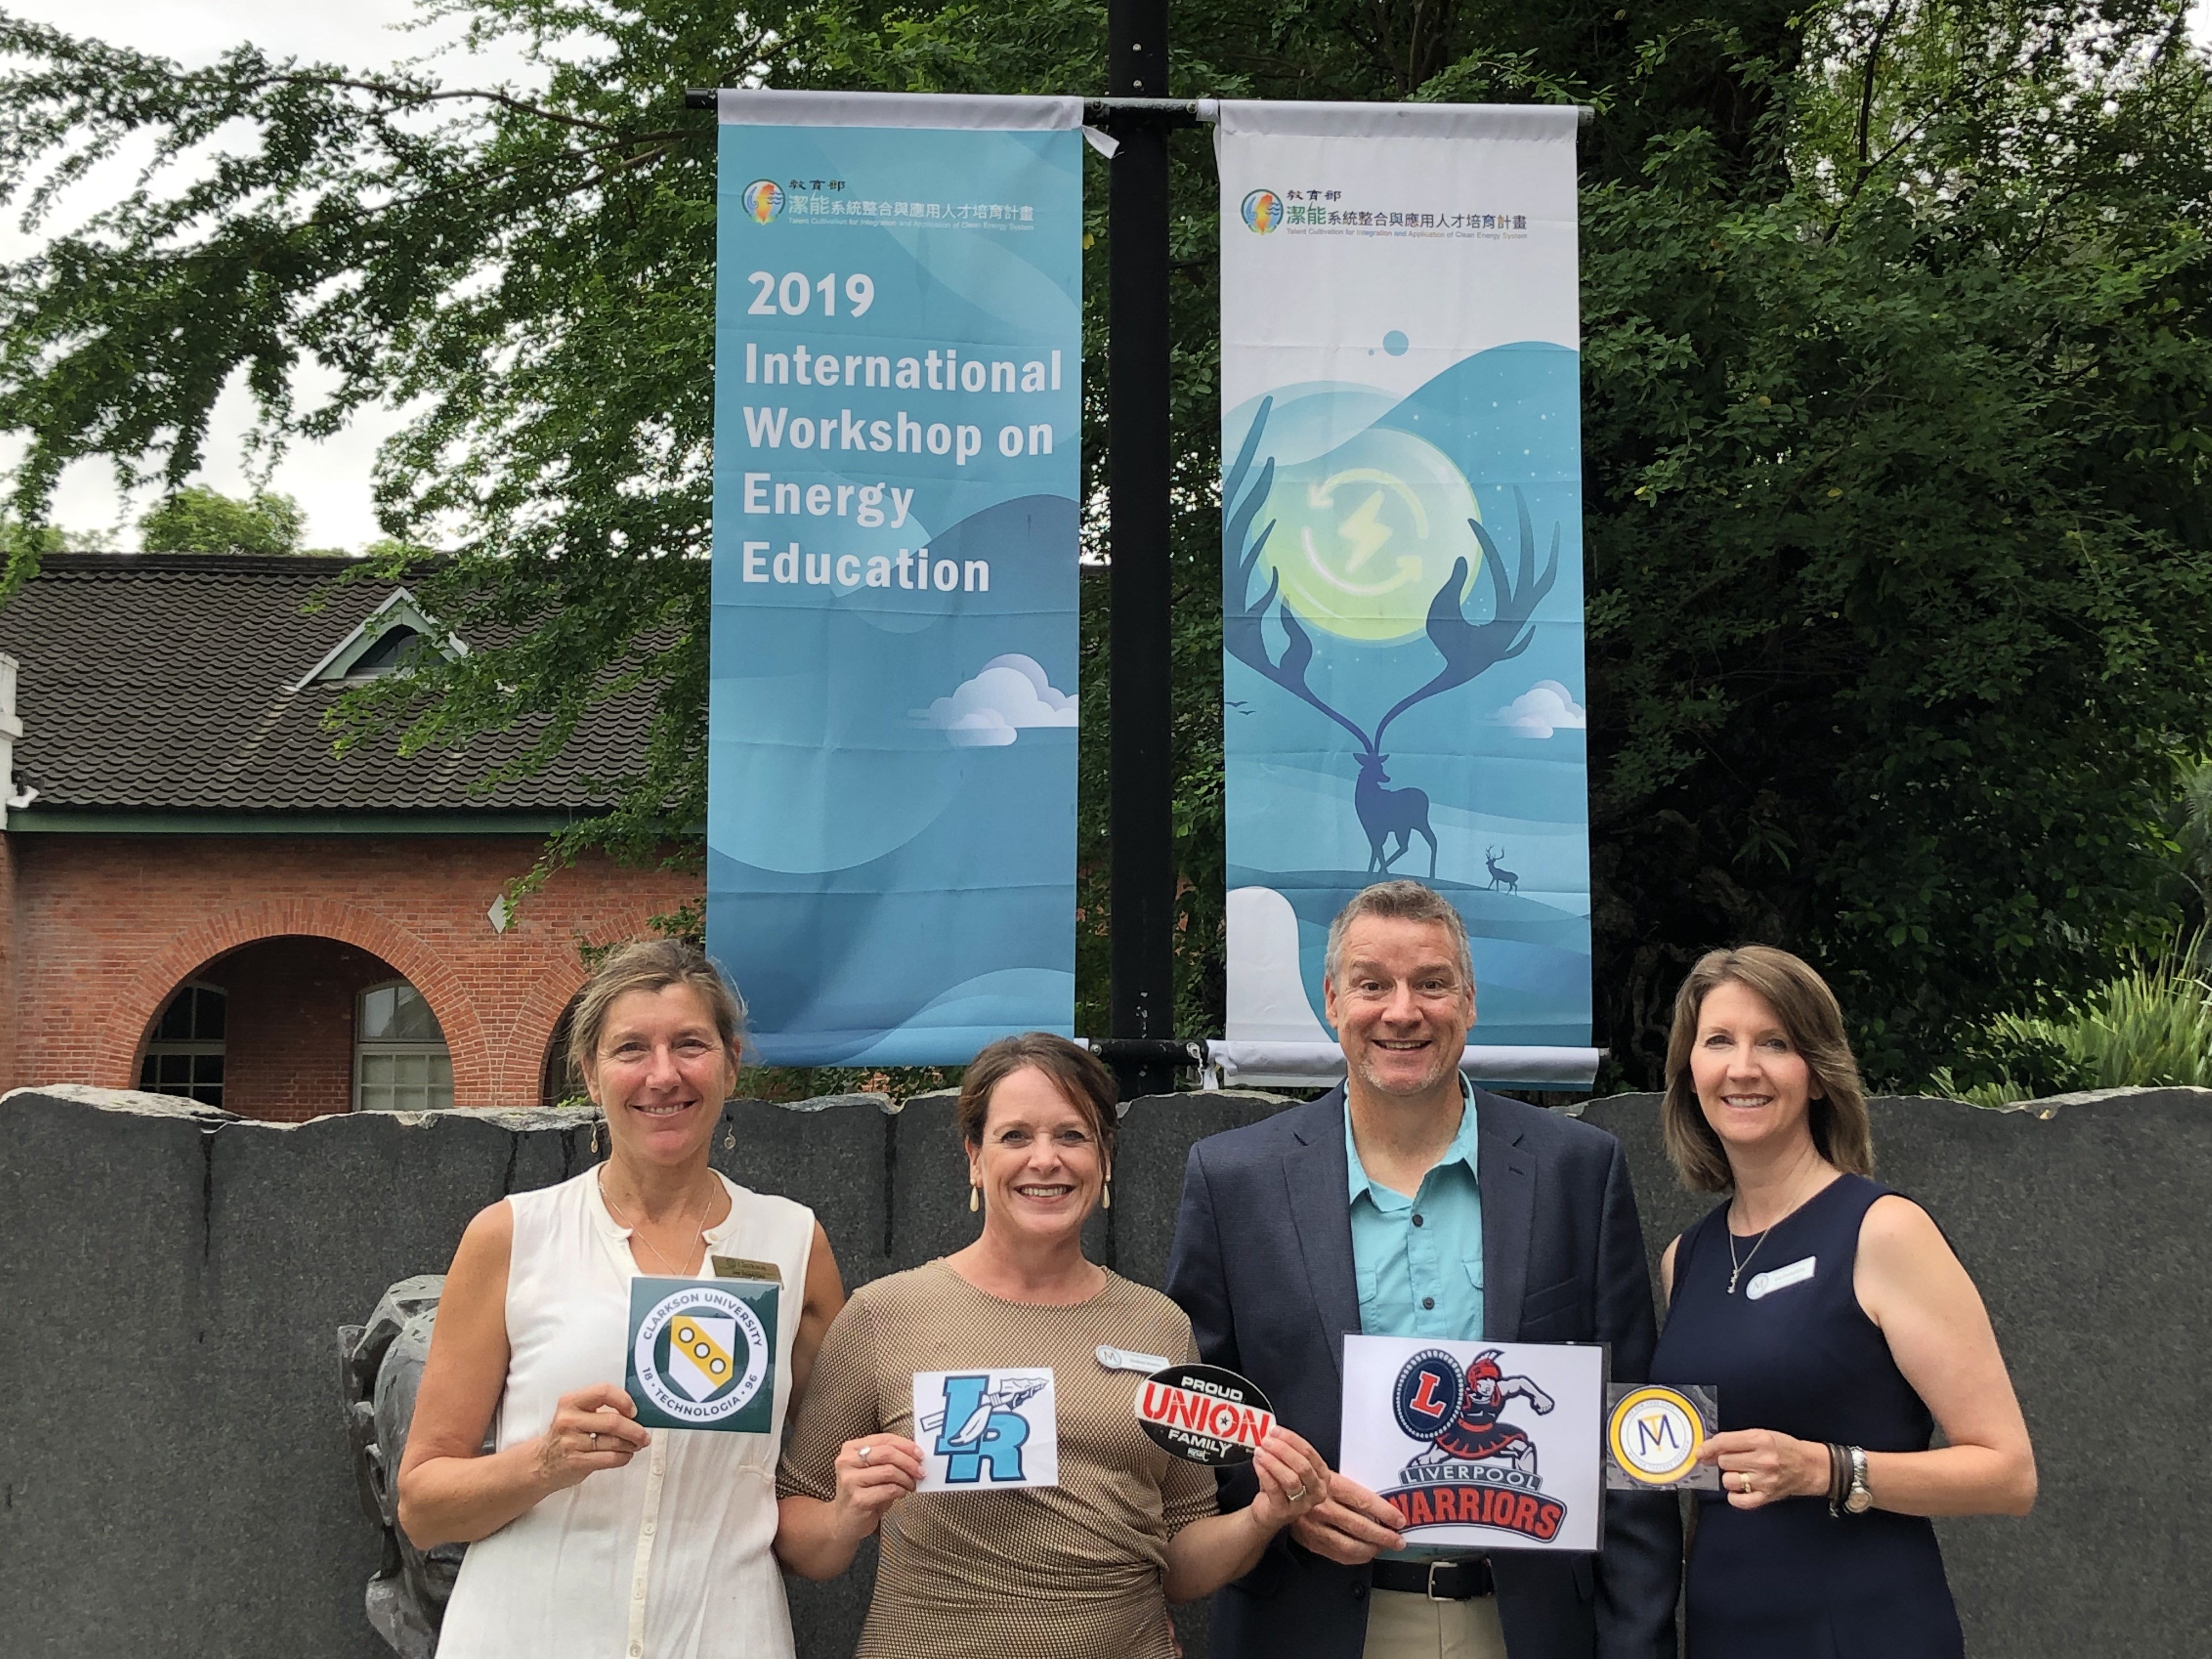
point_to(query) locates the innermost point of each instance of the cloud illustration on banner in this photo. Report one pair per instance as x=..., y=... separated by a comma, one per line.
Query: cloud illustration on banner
x=1545, y=707
x=989, y=711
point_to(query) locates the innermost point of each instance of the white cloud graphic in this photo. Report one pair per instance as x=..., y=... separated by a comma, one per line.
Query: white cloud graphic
x=1545, y=707
x=989, y=712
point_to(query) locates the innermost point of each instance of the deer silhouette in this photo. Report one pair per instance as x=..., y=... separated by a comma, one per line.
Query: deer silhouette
x=1386, y=812
x=1500, y=876
x=1467, y=647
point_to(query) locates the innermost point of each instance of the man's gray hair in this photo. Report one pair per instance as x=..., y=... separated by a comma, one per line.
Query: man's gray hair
x=1399, y=900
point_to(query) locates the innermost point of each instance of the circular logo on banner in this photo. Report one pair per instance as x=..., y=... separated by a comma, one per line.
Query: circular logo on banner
x=702, y=1353
x=763, y=200
x=1655, y=1433
x=1263, y=210
x=1204, y=1414
x=1367, y=535
x=1427, y=1399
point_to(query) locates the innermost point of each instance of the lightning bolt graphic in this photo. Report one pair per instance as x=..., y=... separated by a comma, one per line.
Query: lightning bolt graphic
x=1364, y=530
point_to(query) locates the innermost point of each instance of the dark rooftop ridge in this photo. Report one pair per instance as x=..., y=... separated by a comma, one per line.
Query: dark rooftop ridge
x=262, y=563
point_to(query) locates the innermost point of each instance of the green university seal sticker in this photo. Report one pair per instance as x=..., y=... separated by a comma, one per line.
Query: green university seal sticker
x=702, y=1353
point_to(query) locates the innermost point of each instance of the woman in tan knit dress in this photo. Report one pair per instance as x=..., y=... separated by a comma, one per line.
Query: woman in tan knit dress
x=1083, y=1570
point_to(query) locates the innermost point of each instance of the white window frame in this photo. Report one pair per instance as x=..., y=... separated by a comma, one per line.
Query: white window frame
x=384, y=1048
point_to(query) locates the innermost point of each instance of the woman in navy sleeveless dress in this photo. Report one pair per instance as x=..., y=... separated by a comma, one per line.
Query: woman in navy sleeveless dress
x=1803, y=1360
x=1829, y=1314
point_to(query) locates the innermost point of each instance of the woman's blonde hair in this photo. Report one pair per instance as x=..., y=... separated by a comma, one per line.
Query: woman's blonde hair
x=652, y=964
x=1801, y=999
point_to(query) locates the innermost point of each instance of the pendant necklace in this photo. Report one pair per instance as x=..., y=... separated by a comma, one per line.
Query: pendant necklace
x=1738, y=1267
x=639, y=1238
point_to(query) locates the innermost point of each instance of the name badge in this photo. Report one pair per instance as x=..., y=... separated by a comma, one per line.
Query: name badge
x=741, y=1267
x=1779, y=1278
x=1128, y=1359
x=982, y=1428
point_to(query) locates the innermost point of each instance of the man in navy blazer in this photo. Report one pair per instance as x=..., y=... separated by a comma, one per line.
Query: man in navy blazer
x=1381, y=1207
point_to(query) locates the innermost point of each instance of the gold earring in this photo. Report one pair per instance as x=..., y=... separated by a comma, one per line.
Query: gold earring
x=595, y=1137
x=1106, y=1202
x=729, y=1133
x=974, y=1198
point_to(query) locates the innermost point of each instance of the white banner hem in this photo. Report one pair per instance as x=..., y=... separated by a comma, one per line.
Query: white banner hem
x=764, y=106
x=1289, y=117
x=1304, y=1064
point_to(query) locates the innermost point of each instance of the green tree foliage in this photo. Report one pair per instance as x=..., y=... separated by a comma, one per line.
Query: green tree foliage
x=1898, y=523
x=198, y=520
x=1895, y=370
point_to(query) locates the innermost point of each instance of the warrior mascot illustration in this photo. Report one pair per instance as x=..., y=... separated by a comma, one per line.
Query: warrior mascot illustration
x=1475, y=1435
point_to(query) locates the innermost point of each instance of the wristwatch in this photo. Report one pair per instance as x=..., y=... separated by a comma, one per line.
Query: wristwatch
x=1858, y=1500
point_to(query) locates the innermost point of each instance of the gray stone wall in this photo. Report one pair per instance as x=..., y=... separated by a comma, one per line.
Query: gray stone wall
x=174, y=1480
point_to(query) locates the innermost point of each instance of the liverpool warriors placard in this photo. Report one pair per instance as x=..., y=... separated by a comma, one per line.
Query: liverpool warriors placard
x=1494, y=1446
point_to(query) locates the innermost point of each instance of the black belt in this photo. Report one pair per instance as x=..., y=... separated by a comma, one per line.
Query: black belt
x=1440, y=1581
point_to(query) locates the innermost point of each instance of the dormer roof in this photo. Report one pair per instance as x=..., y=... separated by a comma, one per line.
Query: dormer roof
x=197, y=684
x=378, y=643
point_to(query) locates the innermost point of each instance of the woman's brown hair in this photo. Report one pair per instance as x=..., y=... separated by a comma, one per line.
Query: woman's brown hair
x=652, y=964
x=1801, y=999
x=1075, y=1070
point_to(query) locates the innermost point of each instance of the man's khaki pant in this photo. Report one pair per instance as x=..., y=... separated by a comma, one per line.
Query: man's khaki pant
x=1404, y=1626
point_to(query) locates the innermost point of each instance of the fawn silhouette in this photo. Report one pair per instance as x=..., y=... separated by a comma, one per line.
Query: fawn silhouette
x=1467, y=647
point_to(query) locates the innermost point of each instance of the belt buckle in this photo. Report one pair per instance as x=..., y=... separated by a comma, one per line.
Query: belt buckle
x=1436, y=1567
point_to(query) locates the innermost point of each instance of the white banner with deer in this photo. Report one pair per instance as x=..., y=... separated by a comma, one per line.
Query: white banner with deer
x=1402, y=592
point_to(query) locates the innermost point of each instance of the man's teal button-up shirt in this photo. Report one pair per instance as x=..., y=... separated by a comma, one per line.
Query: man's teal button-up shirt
x=1418, y=1260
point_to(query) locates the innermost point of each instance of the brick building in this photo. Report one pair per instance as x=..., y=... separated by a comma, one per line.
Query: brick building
x=198, y=896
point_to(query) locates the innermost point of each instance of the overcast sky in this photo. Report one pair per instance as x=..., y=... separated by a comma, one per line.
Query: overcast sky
x=332, y=479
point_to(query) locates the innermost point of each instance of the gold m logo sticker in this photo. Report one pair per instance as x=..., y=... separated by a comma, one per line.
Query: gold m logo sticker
x=1654, y=1434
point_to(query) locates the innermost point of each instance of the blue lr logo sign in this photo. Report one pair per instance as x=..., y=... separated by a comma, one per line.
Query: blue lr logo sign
x=974, y=1432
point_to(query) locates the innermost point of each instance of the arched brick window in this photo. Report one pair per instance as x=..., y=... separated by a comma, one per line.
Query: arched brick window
x=400, y=1062
x=183, y=1055
x=557, y=1080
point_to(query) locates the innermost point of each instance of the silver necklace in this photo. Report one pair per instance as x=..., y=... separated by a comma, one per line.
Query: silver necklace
x=638, y=1237
x=1738, y=1267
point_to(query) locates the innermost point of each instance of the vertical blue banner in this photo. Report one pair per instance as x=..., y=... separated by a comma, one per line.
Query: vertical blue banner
x=891, y=808
x=1402, y=562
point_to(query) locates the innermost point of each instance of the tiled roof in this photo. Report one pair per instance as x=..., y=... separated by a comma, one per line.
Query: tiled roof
x=163, y=682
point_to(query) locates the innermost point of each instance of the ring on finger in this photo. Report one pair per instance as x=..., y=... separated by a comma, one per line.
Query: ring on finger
x=593, y=1437
x=865, y=1450
x=1296, y=1492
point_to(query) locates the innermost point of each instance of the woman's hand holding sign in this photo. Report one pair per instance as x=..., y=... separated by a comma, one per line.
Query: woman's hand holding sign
x=873, y=1473
x=591, y=1431
x=1350, y=1525
x=1760, y=1466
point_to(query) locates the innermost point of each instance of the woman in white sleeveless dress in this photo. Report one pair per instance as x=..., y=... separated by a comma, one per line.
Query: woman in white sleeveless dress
x=590, y=1535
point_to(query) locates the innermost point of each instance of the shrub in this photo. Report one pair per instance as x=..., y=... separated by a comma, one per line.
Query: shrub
x=2151, y=1027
